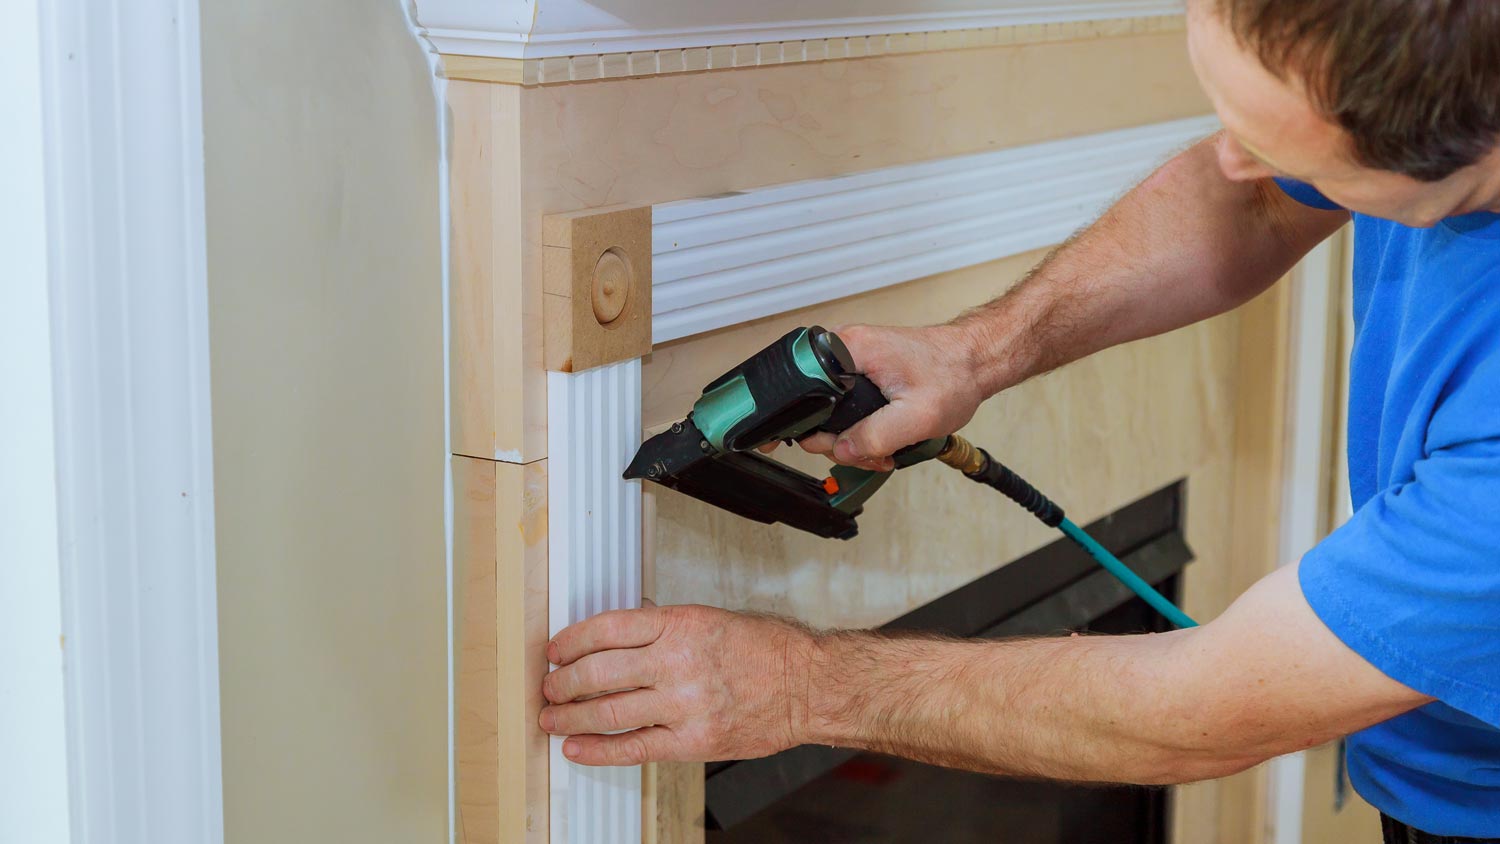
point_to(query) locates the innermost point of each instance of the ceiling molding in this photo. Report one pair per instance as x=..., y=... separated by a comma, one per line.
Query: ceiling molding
x=723, y=260
x=526, y=29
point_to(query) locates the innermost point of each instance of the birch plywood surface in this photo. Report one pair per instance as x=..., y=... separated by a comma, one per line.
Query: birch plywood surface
x=519, y=154
x=500, y=631
x=1095, y=435
x=655, y=139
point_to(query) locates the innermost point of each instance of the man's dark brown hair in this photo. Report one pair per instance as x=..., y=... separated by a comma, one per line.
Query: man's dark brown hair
x=1415, y=83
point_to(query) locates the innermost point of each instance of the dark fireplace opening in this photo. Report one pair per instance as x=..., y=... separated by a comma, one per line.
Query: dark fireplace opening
x=821, y=794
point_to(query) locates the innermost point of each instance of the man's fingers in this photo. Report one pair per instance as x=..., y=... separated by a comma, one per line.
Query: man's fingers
x=648, y=744
x=607, y=714
x=599, y=672
x=875, y=438
x=606, y=631
x=819, y=443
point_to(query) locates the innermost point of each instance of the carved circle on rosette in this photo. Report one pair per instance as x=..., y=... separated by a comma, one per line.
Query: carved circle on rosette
x=613, y=278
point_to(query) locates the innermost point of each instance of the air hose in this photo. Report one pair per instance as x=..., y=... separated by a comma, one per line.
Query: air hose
x=979, y=466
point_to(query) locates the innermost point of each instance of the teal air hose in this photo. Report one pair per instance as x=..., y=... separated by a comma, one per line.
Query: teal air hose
x=978, y=465
x=1121, y=571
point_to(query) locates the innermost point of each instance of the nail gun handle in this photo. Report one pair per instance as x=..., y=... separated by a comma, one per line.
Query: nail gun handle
x=862, y=400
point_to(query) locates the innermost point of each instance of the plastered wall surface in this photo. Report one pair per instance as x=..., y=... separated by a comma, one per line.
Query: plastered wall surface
x=326, y=332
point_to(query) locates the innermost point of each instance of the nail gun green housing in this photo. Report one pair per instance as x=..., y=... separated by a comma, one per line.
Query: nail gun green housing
x=781, y=393
x=803, y=383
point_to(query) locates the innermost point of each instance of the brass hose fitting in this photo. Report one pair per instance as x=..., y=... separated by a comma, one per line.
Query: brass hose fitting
x=962, y=455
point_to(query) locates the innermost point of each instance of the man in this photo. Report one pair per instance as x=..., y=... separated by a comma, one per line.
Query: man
x=1389, y=631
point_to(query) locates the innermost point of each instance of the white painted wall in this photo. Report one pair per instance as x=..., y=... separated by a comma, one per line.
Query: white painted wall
x=325, y=294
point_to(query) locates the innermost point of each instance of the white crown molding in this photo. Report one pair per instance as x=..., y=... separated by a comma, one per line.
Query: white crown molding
x=723, y=260
x=525, y=29
x=593, y=565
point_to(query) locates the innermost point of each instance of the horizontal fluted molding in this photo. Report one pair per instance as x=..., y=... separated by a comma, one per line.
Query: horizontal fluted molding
x=723, y=260
x=593, y=565
x=523, y=29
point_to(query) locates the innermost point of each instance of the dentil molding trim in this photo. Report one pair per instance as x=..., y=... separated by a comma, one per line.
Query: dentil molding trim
x=526, y=29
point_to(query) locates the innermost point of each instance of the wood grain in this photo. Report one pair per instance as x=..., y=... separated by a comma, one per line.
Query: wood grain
x=476, y=733
x=500, y=595
x=729, y=56
x=518, y=154
x=1200, y=403
x=1101, y=432
x=596, y=283
x=1095, y=435
x=499, y=393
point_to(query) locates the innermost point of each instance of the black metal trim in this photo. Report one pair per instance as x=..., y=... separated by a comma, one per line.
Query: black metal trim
x=1053, y=589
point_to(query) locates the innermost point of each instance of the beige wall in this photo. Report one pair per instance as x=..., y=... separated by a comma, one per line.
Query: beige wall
x=325, y=322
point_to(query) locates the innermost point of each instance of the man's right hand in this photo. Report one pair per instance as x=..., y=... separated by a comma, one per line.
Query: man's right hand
x=927, y=375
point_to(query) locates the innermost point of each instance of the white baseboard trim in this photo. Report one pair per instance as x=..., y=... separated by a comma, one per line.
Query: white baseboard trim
x=593, y=564
x=723, y=260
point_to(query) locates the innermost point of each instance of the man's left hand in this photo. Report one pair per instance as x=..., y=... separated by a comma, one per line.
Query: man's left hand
x=688, y=683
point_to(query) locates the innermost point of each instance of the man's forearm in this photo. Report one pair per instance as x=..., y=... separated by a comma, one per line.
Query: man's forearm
x=1084, y=709
x=1184, y=245
x=1265, y=678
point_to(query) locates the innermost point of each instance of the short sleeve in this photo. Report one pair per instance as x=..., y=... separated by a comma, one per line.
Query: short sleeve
x=1306, y=194
x=1412, y=581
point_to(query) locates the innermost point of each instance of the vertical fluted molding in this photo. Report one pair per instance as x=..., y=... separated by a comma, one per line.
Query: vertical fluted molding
x=594, y=564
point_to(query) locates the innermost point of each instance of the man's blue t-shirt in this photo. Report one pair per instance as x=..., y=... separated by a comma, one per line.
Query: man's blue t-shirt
x=1412, y=581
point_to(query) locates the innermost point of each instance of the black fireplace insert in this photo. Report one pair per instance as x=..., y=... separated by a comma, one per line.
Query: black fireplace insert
x=815, y=793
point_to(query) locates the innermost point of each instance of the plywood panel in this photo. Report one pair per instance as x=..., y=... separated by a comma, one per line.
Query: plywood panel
x=518, y=154
x=1201, y=403
x=672, y=803
x=655, y=139
x=500, y=632
x=521, y=618
x=476, y=711
x=1321, y=821
x=1087, y=434
x=1101, y=432
x=499, y=390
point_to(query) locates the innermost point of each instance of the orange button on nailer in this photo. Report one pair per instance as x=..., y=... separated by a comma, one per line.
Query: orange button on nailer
x=830, y=485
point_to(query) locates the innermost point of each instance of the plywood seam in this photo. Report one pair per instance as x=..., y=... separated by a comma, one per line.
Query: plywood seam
x=603, y=66
x=500, y=460
x=729, y=259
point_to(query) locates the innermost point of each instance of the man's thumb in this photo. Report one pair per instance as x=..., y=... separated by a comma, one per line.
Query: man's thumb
x=865, y=440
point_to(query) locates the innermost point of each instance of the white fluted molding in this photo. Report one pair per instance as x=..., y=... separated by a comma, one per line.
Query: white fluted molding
x=524, y=29
x=727, y=259
x=122, y=92
x=593, y=564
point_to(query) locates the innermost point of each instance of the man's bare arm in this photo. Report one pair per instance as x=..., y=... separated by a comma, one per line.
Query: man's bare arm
x=1264, y=679
x=1182, y=246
